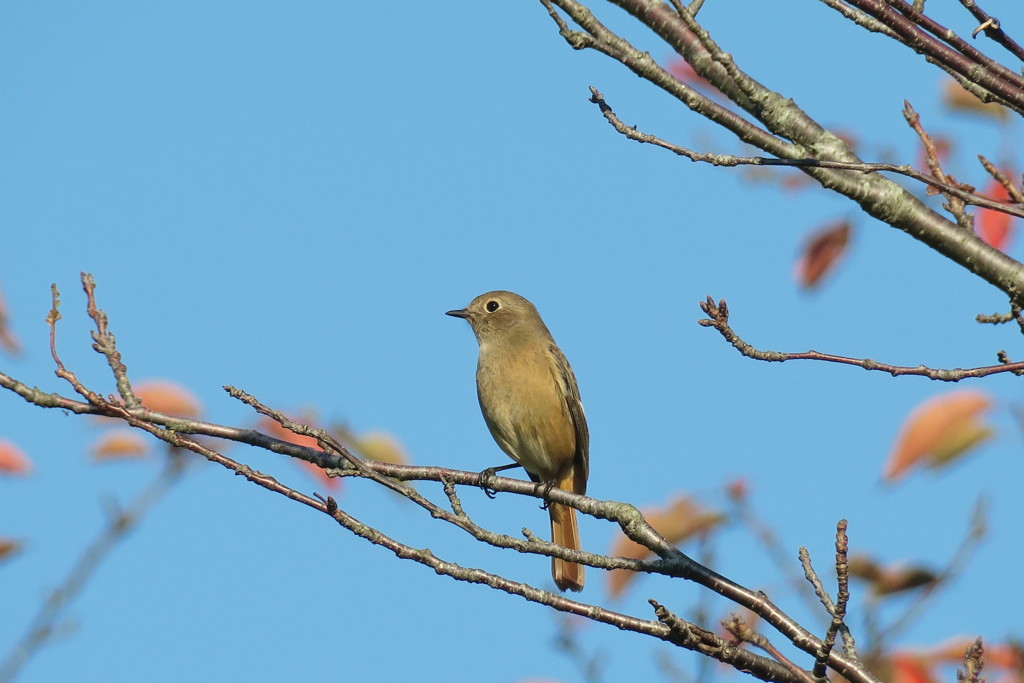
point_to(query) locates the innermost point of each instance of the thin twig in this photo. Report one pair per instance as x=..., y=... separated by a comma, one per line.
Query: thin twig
x=1012, y=190
x=104, y=342
x=692, y=637
x=838, y=624
x=743, y=633
x=719, y=319
x=954, y=204
x=849, y=645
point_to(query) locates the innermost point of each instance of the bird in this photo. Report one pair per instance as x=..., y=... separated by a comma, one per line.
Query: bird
x=531, y=403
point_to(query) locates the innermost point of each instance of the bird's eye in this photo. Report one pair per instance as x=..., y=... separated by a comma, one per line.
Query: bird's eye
x=492, y=306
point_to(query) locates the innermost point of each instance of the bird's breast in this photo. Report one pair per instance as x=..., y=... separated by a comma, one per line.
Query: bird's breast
x=523, y=402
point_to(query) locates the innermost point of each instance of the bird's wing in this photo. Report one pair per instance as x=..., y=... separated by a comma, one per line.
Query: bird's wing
x=581, y=459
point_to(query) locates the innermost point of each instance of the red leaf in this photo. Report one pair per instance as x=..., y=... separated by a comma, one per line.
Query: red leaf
x=995, y=227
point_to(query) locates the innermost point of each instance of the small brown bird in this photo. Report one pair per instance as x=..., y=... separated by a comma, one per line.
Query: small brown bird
x=531, y=404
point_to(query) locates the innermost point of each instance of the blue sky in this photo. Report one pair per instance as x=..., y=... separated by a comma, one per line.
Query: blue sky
x=286, y=197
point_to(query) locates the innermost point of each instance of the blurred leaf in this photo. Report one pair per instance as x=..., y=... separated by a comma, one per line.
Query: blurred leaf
x=685, y=74
x=960, y=438
x=863, y=567
x=9, y=547
x=737, y=489
x=888, y=580
x=1007, y=656
x=900, y=579
x=677, y=521
x=940, y=429
x=822, y=251
x=13, y=460
x=382, y=447
x=943, y=145
x=7, y=339
x=378, y=445
x=956, y=98
x=995, y=227
x=120, y=444
x=167, y=397
x=908, y=668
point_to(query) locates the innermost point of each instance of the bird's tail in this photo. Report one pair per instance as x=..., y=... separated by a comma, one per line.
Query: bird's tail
x=564, y=532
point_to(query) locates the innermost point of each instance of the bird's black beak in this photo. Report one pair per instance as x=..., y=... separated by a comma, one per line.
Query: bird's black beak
x=459, y=313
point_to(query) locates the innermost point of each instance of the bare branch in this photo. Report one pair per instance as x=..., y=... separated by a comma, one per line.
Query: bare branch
x=671, y=561
x=719, y=319
x=693, y=637
x=47, y=621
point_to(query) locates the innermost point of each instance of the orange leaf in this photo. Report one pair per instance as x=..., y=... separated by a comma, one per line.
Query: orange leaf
x=995, y=227
x=13, y=460
x=677, y=521
x=821, y=253
x=120, y=444
x=941, y=429
x=167, y=397
x=9, y=547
